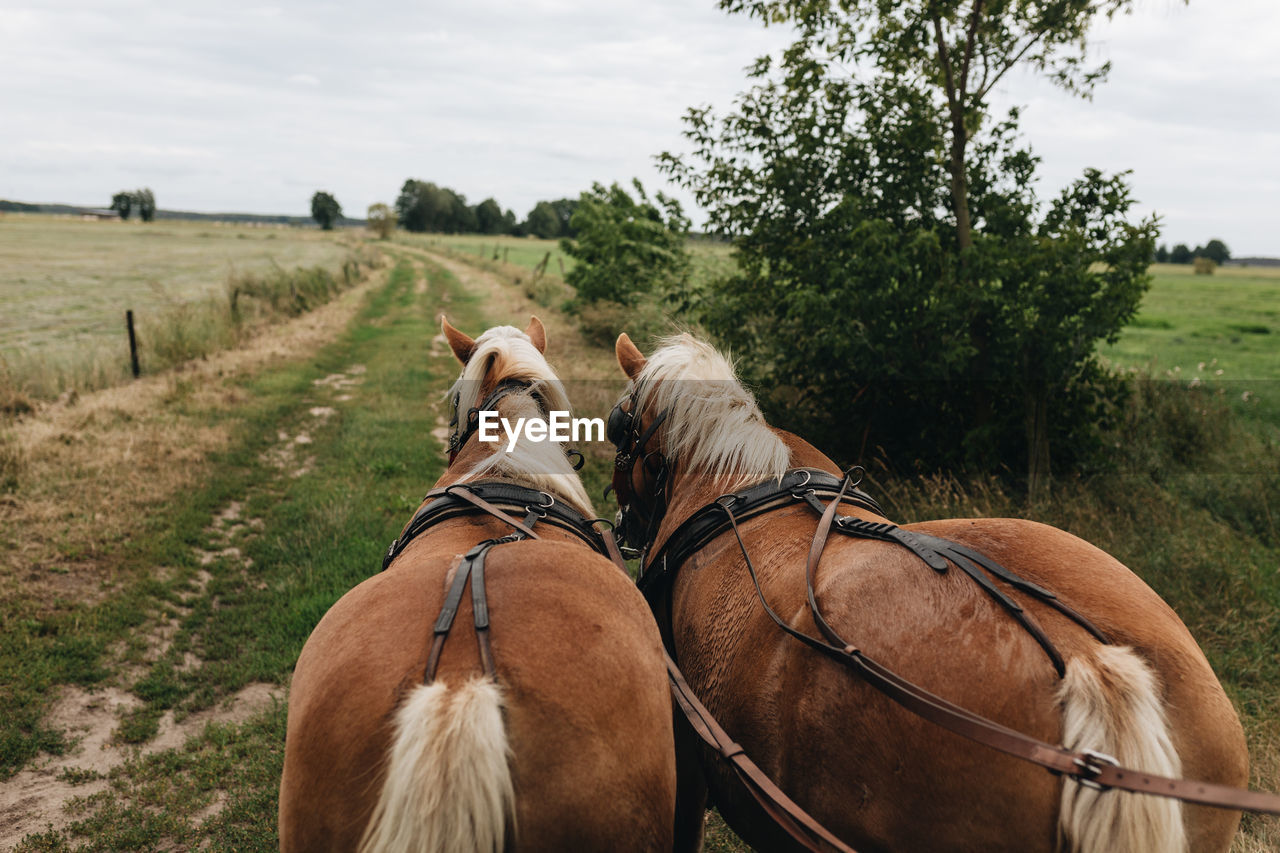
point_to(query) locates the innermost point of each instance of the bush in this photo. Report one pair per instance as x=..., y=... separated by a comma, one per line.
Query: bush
x=627, y=246
x=600, y=322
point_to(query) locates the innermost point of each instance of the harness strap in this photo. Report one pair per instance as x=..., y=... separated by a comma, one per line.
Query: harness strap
x=470, y=568
x=465, y=498
x=784, y=811
x=1086, y=767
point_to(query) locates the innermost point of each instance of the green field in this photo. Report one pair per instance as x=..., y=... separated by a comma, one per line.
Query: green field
x=65, y=283
x=526, y=252
x=1221, y=330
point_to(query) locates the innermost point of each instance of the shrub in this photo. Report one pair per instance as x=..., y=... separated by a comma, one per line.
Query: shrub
x=626, y=247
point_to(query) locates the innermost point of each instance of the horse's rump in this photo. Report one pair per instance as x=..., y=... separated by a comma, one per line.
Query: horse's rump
x=853, y=756
x=584, y=695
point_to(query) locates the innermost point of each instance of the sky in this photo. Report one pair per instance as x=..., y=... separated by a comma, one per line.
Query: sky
x=247, y=107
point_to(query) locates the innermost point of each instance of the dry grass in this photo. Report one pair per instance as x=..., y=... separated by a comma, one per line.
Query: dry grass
x=64, y=285
x=92, y=466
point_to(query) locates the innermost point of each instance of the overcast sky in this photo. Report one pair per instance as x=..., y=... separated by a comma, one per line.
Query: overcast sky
x=233, y=106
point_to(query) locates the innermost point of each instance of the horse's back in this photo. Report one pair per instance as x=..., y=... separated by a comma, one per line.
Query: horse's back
x=578, y=667
x=854, y=757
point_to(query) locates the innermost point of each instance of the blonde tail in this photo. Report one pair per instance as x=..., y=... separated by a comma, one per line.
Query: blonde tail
x=1111, y=704
x=448, y=786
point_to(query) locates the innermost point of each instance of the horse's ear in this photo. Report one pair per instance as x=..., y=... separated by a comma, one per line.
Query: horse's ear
x=537, y=333
x=459, y=342
x=629, y=357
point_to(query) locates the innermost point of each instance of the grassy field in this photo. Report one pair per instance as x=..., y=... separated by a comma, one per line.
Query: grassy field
x=1222, y=330
x=65, y=283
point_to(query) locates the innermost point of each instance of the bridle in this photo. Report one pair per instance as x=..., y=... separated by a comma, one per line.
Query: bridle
x=462, y=429
x=639, y=522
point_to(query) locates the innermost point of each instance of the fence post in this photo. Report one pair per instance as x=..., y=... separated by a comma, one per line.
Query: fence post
x=133, y=343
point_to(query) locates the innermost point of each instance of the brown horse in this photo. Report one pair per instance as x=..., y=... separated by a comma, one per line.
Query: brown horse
x=567, y=746
x=875, y=774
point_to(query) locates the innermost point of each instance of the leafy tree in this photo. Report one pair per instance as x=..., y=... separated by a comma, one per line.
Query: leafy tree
x=1216, y=251
x=1180, y=254
x=1162, y=254
x=564, y=209
x=489, y=218
x=325, y=210
x=423, y=206
x=900, y=284
x=122, y=203
x=543, y=221
x=626, y=246
x=146, y=204
x=382, y=220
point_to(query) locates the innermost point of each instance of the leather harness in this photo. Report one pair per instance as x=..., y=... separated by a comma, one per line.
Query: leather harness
x=809, y=486
x=485, y=497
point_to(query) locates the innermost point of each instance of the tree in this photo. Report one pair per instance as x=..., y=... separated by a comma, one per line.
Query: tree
x=489, y=218
x=1180, y=254
x=325, y=210
x=146, y=204
x=543, y=221
x=1162, y=254
x=423, y=206
x=1216, y=251
x=382, y=220
x=626, y=246
x=564, y=209
x=122, y=203
x=899, y=281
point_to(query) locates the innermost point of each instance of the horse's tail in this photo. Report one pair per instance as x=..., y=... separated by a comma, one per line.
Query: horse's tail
x=448, y=785
x=1111, y=704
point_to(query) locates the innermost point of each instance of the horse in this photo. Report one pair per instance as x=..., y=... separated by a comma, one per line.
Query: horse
x=552, y=731
x=1094, y=660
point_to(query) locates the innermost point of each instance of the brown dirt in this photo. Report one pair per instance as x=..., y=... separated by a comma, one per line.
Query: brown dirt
x=33, y=800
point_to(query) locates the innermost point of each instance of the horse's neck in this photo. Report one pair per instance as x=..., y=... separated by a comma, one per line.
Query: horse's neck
x=691, y=492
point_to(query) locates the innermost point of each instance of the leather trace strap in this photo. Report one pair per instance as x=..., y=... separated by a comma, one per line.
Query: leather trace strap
x=784, y=811
x=1086, y=767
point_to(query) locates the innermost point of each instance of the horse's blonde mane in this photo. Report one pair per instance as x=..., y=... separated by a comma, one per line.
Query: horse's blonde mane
x=713, y=425
x=505, y=352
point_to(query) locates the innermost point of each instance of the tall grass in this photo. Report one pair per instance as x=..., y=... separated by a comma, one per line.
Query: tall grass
x=182, y=331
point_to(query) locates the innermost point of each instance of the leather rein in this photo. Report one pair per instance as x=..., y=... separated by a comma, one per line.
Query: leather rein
x=809, y=486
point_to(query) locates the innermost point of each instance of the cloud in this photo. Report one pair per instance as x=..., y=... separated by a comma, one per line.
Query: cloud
x=245, y=105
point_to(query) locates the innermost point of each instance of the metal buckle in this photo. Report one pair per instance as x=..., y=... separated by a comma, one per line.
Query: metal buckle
x=551, y=501
x=1090, y=766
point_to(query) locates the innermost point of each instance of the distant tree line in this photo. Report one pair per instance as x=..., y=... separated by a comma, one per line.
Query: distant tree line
x=1215, y=250
x=127, y=201
x=423, y=206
